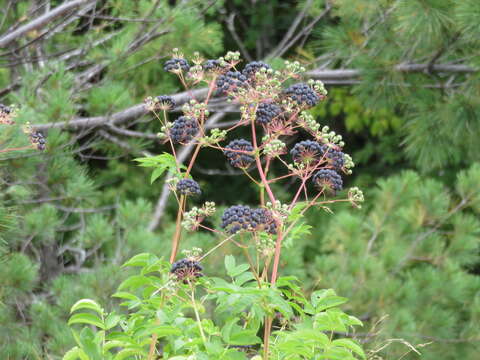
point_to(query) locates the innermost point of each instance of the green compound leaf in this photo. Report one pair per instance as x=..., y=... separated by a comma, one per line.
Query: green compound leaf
x=161, y=163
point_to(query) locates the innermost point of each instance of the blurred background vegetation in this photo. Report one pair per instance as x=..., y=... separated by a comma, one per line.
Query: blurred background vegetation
x=404, y=90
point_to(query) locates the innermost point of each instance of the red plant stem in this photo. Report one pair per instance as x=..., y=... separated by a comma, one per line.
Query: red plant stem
x=294, y=201
x=18, y=148
x=268, y=320
x=276, y=259
x=178, y=230
x=192, y=160
x=260, y=168
x=266, y=337
x=280, y=178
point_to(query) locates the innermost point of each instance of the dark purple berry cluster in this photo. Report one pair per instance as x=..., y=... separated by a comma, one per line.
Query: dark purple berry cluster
x=184, y=129
x=335, y=158
x=38, y=140
x=231, y=81
x=302, y=94
x=165, y=102
x=306, y=151
x=240, y=217
x=327, y=178
x=186, y=270
x=238, y=153
x=212, y=65
x=5, y=115
x=253, y=67
x=175, y=65
x=266, y=112
x=188, y=187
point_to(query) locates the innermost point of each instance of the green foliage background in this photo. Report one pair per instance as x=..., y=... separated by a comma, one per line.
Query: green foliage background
x=408, y=260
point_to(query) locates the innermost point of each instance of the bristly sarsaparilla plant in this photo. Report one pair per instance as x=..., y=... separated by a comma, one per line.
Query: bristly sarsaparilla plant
x=176, y=310
x=36, y=139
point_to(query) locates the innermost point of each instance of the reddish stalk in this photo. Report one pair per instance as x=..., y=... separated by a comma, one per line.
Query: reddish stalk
x=294, y=201
x=18, y=148
x=178, y=230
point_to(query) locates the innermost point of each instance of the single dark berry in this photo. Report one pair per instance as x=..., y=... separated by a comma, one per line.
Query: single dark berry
x=165, y=102
x=241, y=217
x=306, y=151
x=266, y=112
x=5, y=115
x=327, y=178
x=176, y=65
x=302, y=94
x=188, y=187
x=253, y=67
x=38, y=140
x=186, y=270
x=231, y=81
x=335, y=158
x=238, y=153
x=184, y=129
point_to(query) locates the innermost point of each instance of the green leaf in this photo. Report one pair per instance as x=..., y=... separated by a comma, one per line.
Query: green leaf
x=325, y=299
x=240, y=269
x=229, y=263
x=125, y=295
x=165, y=330
x=75, y=353
x=134, y=282
x=295, y=214
x=112, y=320
x=85, y=318
x=244, y=337
x=126, y=353
x=143, y=259
x=157, y=173
x=87, y=304
x=227, y=329
x=244, y=278
x=161, y=162
x=351, y=345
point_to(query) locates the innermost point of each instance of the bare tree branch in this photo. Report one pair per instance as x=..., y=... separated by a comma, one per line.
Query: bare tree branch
x=41, y=21
x=332, y=77
x=120, y=117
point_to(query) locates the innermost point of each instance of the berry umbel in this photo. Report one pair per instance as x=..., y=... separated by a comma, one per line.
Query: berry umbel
x=183, y=129
x=328, y=179
x=6, y=115
x=212, y=65
x=188, y=187
x=306, y=152
x=303, y=95
x=253, y=67
x=335, y=158
x=266, y=112
x=186, y=270
x=165, y=102
x=238, y=153
x=230, y=82
x=240, y=217
x=176, y=65
x=38, y=140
